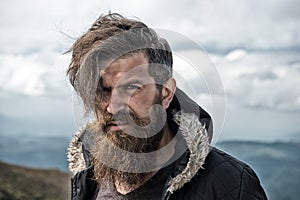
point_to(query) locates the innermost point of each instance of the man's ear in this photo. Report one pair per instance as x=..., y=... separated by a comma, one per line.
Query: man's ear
x=168, y=91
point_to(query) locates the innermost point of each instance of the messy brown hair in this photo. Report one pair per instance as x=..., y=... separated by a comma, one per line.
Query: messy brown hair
x=111, y=37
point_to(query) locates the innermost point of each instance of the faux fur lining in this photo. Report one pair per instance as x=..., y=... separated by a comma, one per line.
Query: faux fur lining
x=75, y=154
x=197, y=140
x=193, y=132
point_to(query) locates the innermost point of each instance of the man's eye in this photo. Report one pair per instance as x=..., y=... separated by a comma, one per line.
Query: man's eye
x=132, y=87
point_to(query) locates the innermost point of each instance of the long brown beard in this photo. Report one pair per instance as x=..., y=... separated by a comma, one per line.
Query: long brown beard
x=119, y=156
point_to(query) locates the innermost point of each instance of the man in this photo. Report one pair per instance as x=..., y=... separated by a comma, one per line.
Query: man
x=148, y=140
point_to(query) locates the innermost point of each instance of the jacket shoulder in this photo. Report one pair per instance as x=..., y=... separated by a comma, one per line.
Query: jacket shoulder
x=224, y=177
x=237, y=179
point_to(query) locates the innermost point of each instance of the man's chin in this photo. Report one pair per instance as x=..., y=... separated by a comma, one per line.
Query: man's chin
x=105, y=174
x=119, y=155
x=125, y=168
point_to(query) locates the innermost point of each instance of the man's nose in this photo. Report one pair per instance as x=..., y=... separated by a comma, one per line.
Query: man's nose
x=115, y=103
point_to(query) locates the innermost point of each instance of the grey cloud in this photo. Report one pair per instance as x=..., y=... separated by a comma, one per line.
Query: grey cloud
x=219, y=25
x=277, y=10
x=263, y=81
x=249, y=24
x=262, y=76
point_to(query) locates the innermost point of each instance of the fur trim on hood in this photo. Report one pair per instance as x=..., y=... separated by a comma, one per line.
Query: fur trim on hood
x=75, y=154
x=193, y=132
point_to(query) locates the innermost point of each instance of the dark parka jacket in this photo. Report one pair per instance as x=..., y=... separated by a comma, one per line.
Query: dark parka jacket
x=201, y=172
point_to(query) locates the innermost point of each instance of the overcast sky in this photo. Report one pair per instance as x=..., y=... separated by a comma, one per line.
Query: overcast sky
x=254, y=45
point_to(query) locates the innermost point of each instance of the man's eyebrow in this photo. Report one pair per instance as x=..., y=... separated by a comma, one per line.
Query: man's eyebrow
x=135, y=81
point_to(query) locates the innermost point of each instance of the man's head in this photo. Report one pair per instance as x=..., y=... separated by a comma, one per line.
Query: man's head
x=123, y=72
x=112, y=37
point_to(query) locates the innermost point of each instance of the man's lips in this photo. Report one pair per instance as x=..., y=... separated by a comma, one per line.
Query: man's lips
x=116, y=125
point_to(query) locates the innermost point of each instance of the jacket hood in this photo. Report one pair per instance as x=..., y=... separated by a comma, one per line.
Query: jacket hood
x=185, y=117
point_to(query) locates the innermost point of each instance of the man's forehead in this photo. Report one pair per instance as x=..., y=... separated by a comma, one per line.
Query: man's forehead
x=134, y=67
x=134, y=64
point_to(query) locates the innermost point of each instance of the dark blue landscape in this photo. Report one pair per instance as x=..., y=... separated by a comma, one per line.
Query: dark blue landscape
x=276, y=163
x=35, y=151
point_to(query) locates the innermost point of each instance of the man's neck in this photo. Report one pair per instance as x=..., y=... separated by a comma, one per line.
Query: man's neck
x=125, y=188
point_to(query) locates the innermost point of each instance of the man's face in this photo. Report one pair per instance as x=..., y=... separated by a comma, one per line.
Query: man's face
x=127, y=89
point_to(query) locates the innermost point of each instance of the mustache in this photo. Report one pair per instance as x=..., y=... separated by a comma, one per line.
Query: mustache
x=123, y=116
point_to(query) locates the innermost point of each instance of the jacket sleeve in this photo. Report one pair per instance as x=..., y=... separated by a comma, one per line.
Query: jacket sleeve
x=250, y=187
x=236, y=180
x=226, y=178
